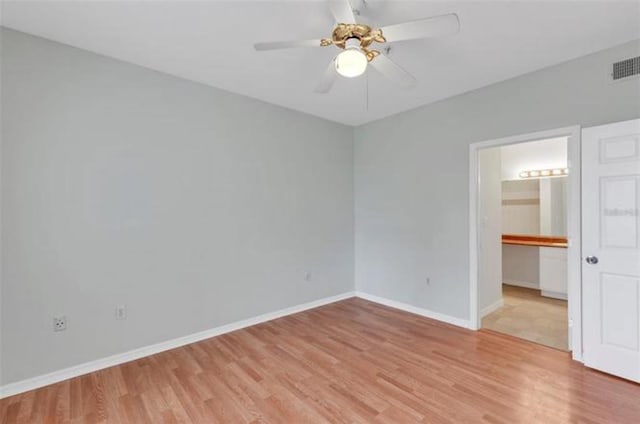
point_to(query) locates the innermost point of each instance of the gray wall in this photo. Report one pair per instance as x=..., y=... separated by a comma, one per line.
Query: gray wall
x=412, y=178
x=196, y=207
x=193, y=206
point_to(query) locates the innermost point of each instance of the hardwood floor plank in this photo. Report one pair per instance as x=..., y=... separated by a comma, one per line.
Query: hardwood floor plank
x=173, y=404
x=349, y=362
x=12, y=412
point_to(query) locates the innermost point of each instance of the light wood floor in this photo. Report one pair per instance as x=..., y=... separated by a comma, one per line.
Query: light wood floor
x=352, y=361
x=529, y=315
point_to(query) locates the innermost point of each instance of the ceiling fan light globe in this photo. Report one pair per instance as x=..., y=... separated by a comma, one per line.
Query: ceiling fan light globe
x=351, y=63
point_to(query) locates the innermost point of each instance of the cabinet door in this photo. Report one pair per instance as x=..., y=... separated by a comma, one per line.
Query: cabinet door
x=553, y=272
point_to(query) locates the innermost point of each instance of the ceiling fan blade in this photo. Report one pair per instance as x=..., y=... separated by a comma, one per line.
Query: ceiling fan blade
x=328, y=78
x=436, y=26
x=277, y=45
x=393, y=71
x=342, y=12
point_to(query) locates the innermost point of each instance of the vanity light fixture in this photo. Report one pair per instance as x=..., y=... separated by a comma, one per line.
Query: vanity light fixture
x=541, y=173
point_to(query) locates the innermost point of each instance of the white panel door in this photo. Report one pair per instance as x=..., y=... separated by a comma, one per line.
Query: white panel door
x=611, y=248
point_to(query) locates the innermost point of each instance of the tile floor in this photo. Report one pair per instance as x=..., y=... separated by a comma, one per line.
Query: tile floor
x=528, y=315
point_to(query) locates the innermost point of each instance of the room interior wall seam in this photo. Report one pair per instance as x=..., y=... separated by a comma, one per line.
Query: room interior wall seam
x=353, y=207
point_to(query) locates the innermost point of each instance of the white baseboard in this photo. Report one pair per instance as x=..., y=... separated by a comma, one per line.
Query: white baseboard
x=491, y=308
x=555, y=295
x=415, y=310
x=88, y=367
x=92, y=366
x=525, y=284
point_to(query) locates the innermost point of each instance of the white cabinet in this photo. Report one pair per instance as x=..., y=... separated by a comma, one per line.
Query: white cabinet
x=553, y=272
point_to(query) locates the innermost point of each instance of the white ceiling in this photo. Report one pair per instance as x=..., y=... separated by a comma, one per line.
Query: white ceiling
x=211, y=42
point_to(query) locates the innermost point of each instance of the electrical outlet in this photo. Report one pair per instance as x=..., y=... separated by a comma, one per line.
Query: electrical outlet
x=60, y=323
x=121, y=312
x=307, y=276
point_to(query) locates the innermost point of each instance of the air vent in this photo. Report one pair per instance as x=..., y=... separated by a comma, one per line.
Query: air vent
x=626, y=68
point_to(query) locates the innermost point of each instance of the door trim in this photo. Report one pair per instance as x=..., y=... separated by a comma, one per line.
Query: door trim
x=574, y=268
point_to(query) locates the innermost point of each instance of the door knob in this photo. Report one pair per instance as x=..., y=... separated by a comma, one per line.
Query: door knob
x=591, y=260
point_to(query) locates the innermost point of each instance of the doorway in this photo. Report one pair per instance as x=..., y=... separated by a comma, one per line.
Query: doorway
x=525, y=281
x=522, y=284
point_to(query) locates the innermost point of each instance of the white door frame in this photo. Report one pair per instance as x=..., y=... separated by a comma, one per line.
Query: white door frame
x=573, y=227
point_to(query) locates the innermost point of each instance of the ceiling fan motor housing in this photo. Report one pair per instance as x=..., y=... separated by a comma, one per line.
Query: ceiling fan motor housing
x=363, y=33
x=360, y=36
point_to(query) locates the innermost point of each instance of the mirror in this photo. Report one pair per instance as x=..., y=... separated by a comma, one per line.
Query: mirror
x=535, y=207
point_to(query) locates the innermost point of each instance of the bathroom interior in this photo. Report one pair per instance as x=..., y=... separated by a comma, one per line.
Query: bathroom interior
x=534, y=244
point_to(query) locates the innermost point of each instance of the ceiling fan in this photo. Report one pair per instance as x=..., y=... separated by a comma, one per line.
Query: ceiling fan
x=356, y=41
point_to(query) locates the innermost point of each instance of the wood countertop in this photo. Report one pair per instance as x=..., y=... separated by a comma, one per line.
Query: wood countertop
x=534, y=240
